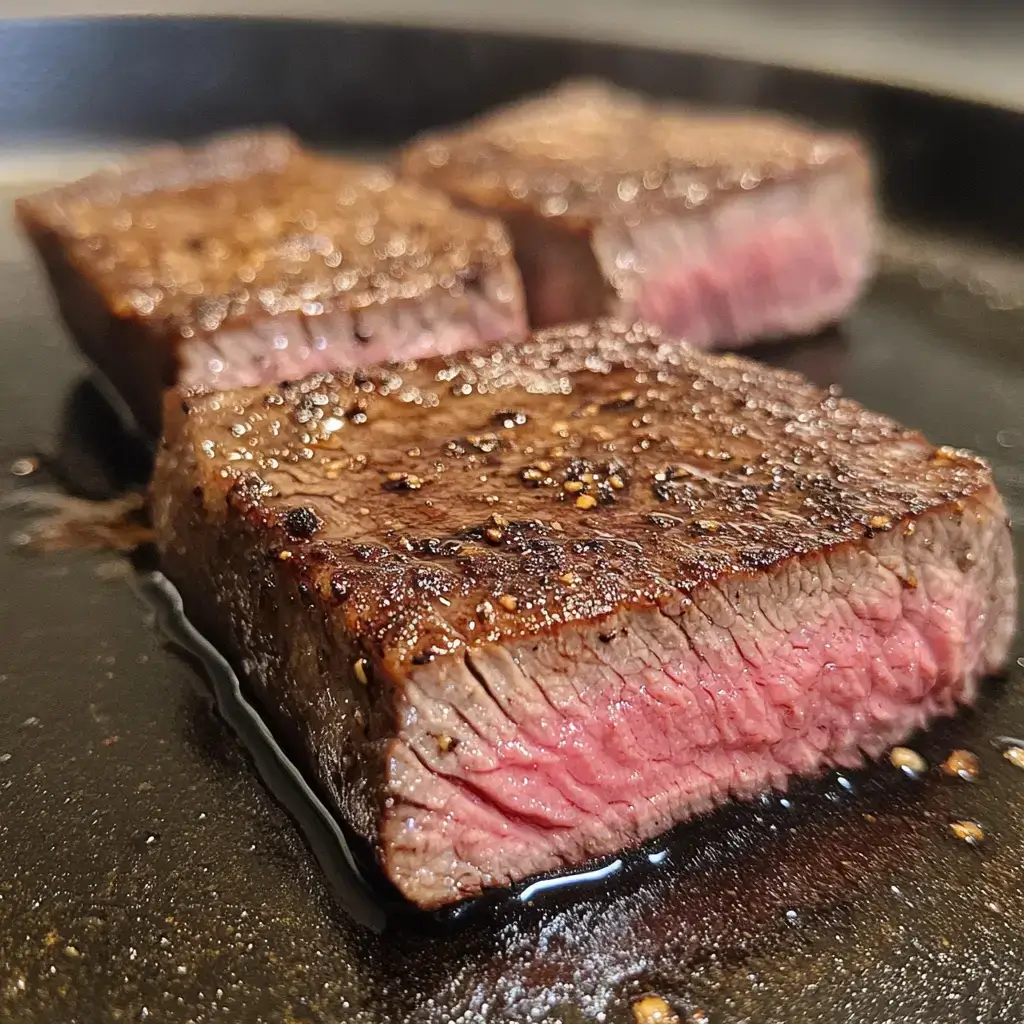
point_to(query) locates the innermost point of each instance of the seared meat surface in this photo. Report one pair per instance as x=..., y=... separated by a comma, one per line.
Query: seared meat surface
x=723, y=229
x=248, y=260
x=517, y=609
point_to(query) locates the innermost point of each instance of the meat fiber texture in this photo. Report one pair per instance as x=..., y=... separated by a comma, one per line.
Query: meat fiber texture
x=249, y=260
x=515, y=610
x=723, y=229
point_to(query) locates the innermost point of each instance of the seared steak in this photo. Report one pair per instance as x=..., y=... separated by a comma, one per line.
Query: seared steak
x=723, y=229
x=520, y=609
x=248, y=261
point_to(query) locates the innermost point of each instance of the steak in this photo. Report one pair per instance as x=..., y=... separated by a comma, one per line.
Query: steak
x=722, y=229
x=514, y=610
x=248, y=260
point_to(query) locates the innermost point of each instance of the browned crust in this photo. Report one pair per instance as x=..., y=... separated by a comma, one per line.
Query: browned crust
x=185, y=241
x=588, y=152
x=335, y=727
x=757, y=467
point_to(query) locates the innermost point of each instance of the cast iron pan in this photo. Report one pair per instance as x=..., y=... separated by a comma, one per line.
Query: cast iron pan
x=145, y=872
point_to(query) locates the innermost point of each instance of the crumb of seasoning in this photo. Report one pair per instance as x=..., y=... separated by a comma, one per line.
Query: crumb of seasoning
x=962, y=764
x=445, y=743
x=1015, y=755
x=908, y=761
x=508, y=602
x=653, y=1010
x=586, y=501
x=402, y=482
x=24, y=466
x=360, y=670
x=284, y=555
x=968, y=831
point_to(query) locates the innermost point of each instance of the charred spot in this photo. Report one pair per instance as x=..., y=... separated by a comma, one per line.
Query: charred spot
x=424, y=657
x=542, y=545
x=301, y=522
x=670, y=484
x=587, y=547
x=195, y=244
x=663, y=521
x=431, y=581
x=435, y=547
x=339, y=588
x=607, y=636
x=372, y=554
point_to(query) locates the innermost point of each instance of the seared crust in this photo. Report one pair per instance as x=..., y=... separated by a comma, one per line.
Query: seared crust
x=588, y=152
x=184, y=241
x=434, y=508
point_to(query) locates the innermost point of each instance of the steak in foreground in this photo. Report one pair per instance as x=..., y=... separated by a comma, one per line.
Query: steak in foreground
x=723, y=229
x=248, y=260
x=515, y=610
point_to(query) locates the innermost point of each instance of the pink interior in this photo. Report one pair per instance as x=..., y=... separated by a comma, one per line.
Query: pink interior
x=551, y=768
x=292, y=345
x=788, y=261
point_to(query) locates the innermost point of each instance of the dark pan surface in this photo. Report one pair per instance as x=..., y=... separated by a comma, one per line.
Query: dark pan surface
x=145, y=874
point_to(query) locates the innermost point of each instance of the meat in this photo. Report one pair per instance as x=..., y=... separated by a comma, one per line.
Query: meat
x=516, y=610
x=248, y=260
x=722, y=229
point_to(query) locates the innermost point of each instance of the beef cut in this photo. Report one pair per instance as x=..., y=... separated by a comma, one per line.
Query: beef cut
x=248, y=260
x=518, y=609
x=723, y=229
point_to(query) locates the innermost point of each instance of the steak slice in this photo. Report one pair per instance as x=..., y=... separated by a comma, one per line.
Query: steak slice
x=516, y=610
x=248, y=260
x=722, y=229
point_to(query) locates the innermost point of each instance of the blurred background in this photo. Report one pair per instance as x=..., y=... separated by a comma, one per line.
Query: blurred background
x=968, y=48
